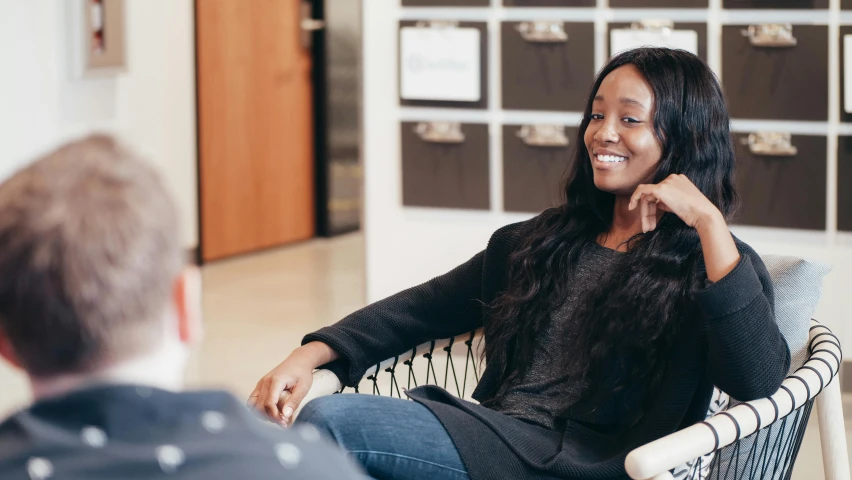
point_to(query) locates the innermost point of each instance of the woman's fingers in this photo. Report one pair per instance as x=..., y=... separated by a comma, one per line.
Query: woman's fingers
x=643, y=213
x=284, y=398
x=637, y=196
x=267, y=397
x=261, y=392
x=252, y=399
x=273, y=395
x=278, y=393
x=299, y=392
x=651, y=215
x=645, y=197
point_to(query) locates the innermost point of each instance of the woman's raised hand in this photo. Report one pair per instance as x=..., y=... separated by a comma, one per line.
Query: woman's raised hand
x=676, y=194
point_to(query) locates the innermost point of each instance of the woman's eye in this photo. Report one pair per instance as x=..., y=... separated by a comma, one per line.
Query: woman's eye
x=596, y=116
x=630, y=120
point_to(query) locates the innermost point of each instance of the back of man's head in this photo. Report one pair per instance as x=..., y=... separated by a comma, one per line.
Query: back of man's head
x=89, y=252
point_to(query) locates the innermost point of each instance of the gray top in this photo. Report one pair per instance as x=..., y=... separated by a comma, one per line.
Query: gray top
x=543, y=395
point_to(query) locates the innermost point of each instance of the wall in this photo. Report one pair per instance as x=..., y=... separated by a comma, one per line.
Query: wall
x=151, y=106
x=406, y=246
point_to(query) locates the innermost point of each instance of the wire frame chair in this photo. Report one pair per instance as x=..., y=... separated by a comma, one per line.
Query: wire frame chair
x=751, y=440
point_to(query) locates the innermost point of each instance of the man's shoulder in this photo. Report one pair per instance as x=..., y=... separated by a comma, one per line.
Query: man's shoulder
x=206, y=435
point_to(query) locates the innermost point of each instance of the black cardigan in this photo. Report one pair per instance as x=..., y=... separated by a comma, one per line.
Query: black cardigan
x=734, y=344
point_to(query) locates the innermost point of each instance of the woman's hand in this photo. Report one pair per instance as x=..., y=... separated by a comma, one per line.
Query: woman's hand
x=676, y=194
x=279, y=393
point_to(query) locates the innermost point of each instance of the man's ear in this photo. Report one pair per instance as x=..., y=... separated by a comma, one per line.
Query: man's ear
x=187, y=303
x=7, y=351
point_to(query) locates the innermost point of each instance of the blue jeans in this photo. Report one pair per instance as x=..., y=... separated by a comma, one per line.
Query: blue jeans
x=391, y=438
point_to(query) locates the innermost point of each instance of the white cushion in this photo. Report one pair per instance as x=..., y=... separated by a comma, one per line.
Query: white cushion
x=798, y=288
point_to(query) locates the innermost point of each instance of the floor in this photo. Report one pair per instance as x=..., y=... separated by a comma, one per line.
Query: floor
x=257, y=308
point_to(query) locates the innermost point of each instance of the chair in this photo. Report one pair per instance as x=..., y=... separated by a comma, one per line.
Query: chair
x=753, y=440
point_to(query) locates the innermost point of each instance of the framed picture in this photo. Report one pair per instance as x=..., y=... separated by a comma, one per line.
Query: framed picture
x=99, y=41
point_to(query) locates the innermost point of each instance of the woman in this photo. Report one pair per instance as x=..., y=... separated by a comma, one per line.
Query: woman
x=607, y=320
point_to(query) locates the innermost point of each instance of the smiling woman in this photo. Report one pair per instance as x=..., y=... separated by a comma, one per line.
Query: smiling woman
x=607, y=320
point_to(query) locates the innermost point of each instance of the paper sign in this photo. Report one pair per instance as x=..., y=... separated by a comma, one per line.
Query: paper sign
x=847, y=73
x=622, y=39
x=440, y=64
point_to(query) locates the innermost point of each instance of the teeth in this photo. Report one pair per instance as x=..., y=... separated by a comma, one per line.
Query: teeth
x=611, y=158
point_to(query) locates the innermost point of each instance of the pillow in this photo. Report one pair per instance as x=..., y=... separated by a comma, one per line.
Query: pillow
x=798, y=287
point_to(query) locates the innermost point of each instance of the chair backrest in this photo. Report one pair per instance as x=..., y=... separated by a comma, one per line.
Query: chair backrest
x=452, y=363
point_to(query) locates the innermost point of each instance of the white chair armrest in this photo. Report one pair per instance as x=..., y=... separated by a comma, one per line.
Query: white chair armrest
x=325, y=383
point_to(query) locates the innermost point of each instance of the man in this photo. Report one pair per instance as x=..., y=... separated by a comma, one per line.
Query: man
x=98, y=310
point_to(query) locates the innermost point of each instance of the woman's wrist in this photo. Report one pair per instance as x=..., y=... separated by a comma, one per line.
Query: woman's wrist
x=717, y=244
x=312, y=355
x=710, y=220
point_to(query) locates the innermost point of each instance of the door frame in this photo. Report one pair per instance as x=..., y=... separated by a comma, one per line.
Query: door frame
x=319, y=78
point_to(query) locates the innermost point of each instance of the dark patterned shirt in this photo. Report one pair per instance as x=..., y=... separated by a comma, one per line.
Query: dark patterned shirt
x=129, y=432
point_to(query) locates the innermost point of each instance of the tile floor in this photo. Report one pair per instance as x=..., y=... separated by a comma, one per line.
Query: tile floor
x=257, y=307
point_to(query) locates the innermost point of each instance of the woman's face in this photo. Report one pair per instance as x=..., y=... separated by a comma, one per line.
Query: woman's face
x=620, y=138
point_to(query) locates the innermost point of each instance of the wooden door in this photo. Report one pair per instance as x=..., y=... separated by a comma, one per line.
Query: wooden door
x=255, y=121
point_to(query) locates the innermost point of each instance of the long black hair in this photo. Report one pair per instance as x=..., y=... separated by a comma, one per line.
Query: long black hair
x=626, y=323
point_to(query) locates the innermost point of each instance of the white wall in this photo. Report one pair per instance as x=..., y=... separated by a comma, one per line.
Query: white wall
x=151, y=106
x=406, y=246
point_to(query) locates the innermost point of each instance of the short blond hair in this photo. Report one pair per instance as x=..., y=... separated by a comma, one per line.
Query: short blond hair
x=89, y=252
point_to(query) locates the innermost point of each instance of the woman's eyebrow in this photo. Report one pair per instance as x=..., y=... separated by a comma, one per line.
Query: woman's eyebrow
x=631, y=101
x=623, y=100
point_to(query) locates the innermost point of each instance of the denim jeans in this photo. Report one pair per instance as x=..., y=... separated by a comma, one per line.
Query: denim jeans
x=391, y=438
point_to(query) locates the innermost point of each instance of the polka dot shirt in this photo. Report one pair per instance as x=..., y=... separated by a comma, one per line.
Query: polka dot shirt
x=127, y=432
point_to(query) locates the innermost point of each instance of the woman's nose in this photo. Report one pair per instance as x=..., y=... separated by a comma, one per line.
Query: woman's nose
x=606, y=133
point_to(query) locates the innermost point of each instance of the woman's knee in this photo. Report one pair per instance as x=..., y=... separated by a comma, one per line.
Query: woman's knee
x=320, y=410
x=330, y=413
x=361, y=421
